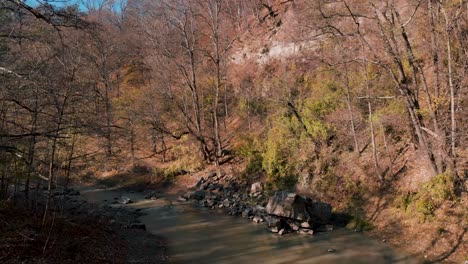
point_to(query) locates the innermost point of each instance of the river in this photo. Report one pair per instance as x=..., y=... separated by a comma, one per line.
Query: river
x=200, y=235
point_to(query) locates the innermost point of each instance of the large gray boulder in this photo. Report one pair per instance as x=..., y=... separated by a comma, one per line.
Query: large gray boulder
x=300, y=208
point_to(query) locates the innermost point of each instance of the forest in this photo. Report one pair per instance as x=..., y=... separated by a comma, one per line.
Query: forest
x=360, y=104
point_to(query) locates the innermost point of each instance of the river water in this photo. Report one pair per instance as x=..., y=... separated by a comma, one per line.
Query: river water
x=200, y=235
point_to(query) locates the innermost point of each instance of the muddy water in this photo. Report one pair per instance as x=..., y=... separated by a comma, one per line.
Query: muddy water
x=199, y=235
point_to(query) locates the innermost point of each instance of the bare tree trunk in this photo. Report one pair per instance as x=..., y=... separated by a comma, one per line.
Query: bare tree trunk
x=32, y=146
x=164, y=149
x=435, y=49
x=409, y=96
x=214, y=12
x=108, y=117
x=132, y=142
x=350, y=110
x=387, y=148
x=372, y=132
x=51, y=179
x=416, y=69
x=70, y=160
x=453, y=123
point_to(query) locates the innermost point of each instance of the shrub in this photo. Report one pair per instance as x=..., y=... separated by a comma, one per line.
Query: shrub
x=249, y=151
x=430, y=196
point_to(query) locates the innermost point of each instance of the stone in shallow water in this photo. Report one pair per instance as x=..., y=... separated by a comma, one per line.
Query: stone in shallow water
x=246, y=213
x=294, y=226
x=257, y=219
x=306, y=231
x=124, y=200
x=305, y=225
x=301, y=208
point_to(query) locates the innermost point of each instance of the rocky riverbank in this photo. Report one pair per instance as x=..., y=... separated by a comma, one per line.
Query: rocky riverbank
x=283, y=212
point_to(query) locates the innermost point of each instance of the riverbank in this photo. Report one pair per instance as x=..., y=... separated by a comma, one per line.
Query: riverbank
x=439, y=240
x=203, y=235
x=77, y=232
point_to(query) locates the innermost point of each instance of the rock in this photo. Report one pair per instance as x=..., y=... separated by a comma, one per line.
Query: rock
x=181, y=199
x=294, y=226
x=204, y=186
x=324, y=228
x=331, y=250
x=257, y=219
x=255, y=194
x=246, y=213
x=259, y=209
x=281, y=232
x=279, y=223
x=301, y=208
x=211, y=203
x=306, y=225
x=200, y=182
x=305, y=231
x=256, y=187
x=124, y=200
x=196, y=195
x=274, y=229
x=152, y=196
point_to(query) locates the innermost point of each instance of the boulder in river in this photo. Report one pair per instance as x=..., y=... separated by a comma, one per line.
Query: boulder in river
x=257, y=219
x=300, y=208
x=124, y=200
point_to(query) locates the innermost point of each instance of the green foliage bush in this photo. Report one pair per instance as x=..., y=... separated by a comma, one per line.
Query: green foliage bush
x=249, y=150
x=429, y=197
x=277, y=158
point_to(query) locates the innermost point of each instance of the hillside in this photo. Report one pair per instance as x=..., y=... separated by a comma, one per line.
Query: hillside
x=361, y=105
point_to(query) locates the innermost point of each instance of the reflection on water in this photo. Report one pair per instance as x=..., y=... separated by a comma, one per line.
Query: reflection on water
x=206, y=236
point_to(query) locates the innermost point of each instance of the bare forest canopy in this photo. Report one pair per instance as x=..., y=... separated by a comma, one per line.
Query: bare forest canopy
x=351, y=91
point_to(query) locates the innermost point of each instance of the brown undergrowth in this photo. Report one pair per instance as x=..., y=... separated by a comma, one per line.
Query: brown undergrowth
x=61, y=240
